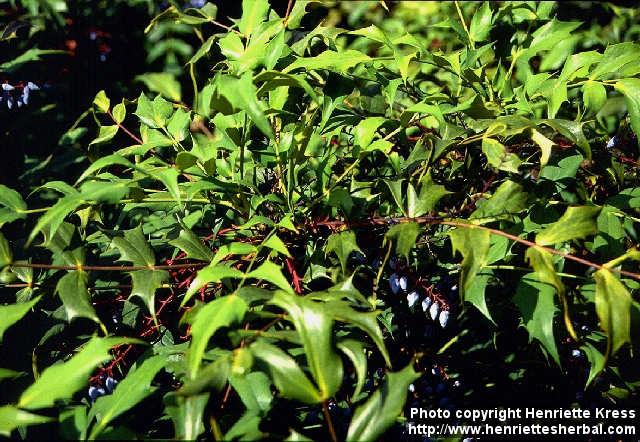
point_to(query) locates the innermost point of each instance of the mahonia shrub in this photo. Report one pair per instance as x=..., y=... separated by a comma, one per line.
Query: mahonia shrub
x=315, y=217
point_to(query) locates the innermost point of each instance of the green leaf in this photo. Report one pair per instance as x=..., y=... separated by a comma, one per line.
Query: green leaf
x=13, y=204
x=72, y=289
x=630, y=88
x=498, y=156
x=218, y=313
x=56, y=215
x=103, y=162
x=145, y=283
x=613, y=307
x=153, y=113
x=119, y=112
x=286, y=374
x=163, y=83
x=535, y=300
x=190, y=244
x=212, y=273
x=480, y=25
x=186, y=414
x=12, y=313
x=134, y=388
x=61, y=381
x=615, y=57
x=254, y=12
x=356, y=352
x=102, y=102
x=576, y=223
x=6, y=256
x=365, y=321
x=571, y=130
x=272, y=273
x=475, y=293
x=12, y=417
x=596, y=359
x=5, y=373
x=508, y=199
x=473, y=244
x=404, y=235
x=33, y=54
x=545, y=145
x=241, y=94
x=169, y=177
x=339, y=62
x=178, y=126
x=133, y=247
x=315, y=328
x=594, y=96
x=254, y=390
x=365, y=131
x=105, y=134
x=342, y=244
x=430, y=194
x=275, y=243
x=542, y=263
x=379, y=412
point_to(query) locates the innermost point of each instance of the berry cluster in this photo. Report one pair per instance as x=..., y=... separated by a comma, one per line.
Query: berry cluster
x=8, y=92
x=433, y=306
x=108, y=385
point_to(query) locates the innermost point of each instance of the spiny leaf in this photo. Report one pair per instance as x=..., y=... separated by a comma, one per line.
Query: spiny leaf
x=212, y=273
x=272, y=273
x=145, y=283
x=535, y=302
x=473, y=244
x=613, y=307
x=190, y=244
x=404, y=235
x=342, y=244
x=133, y=247
x=72, y=289
x=577, y=222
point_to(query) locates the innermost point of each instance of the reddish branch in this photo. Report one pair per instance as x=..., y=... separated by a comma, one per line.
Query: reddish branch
x=295, y=278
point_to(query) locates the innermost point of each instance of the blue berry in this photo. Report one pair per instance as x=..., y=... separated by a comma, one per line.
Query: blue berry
x=434, y=310
x=110, y=384
x=394, y=283
x=444, y=318
x=95, y=392
x=426, y=303
x=412, y=298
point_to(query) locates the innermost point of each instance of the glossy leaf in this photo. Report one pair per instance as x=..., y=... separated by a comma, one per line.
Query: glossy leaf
x=72, y=289
x=221, y=312
x=379, y=412
x=613, y=306
x=286, y=374
x=61, y=381
x=134, y=388
x=315, y=328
